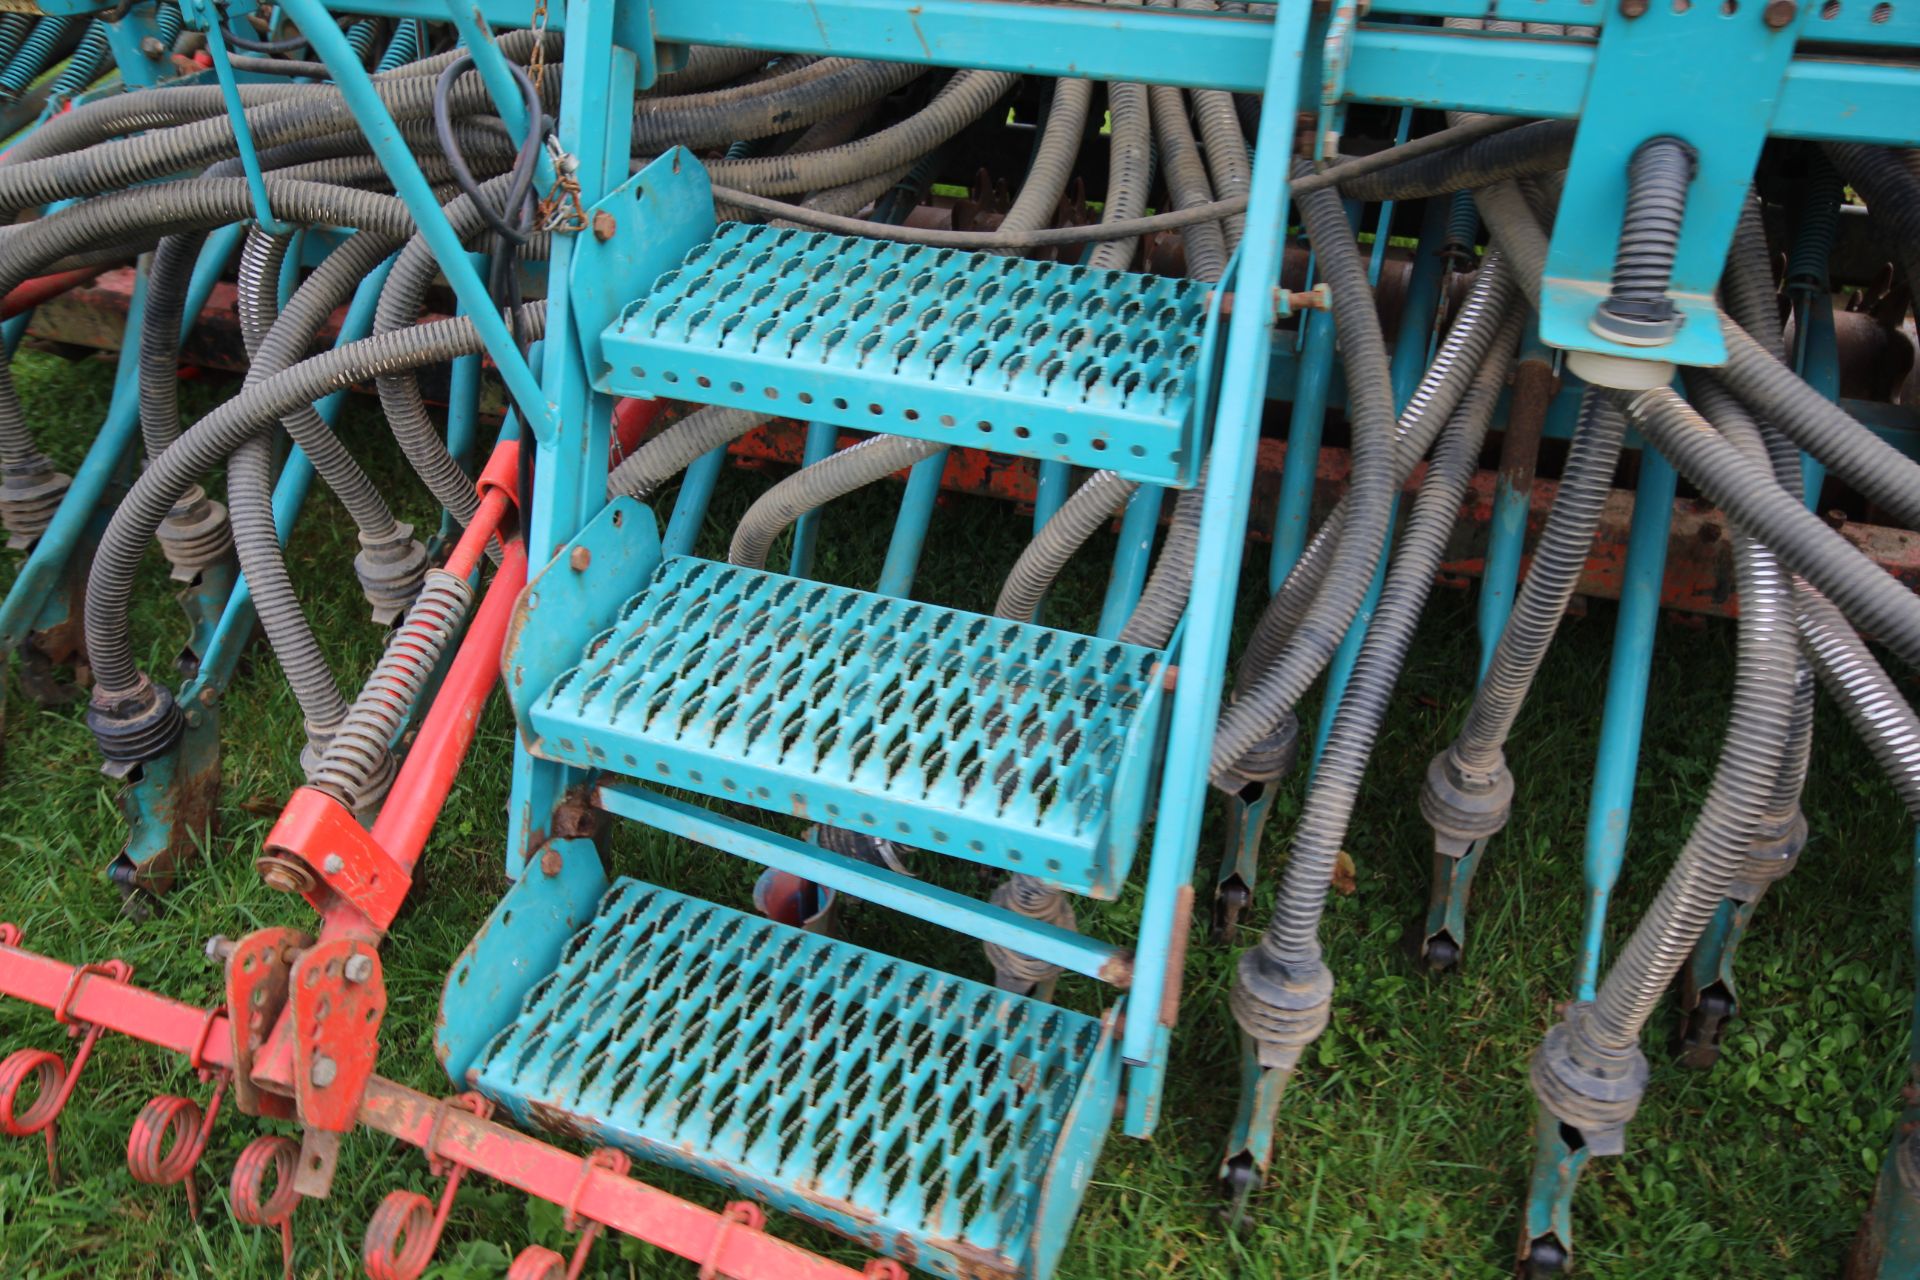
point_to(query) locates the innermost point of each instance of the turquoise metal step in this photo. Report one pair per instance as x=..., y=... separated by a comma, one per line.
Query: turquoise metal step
x=1038, y=359
x=1001, y=742
x=934, y=1119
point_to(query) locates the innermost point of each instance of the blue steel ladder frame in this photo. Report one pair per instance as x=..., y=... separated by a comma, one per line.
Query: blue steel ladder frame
x=1388, y=64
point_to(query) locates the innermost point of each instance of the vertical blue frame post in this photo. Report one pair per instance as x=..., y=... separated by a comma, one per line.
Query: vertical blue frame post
x=1610, y=807
x=570, y=473
x=910, y=525
x=1209, y=617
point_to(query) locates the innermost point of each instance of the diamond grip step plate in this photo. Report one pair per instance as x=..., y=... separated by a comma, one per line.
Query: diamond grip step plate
x=924, y=1114
x=996, y=741
x=1039, y=359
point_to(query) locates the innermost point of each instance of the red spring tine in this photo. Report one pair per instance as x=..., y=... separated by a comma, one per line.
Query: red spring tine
x=741, y=1213
x=401, y=1236
x=884, y=1269
x=536, y=1262
x=54, y=1079
x=170, y=1134
x=9, y=934
x=616, y=1163
x=253, y=1204
x=404, y=1231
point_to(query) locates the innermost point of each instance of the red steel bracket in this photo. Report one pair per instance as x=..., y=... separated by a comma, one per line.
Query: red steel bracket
x=259, y=967
x=338, y=1000
x=317, y=832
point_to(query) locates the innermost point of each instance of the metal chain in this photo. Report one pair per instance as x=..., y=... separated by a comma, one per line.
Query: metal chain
x=537, y=60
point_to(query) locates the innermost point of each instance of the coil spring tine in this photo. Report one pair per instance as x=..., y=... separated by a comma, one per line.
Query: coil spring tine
x=53, y=1078
x=404, y=1232
x=252, y=1204
x=42, y=1115
x=537, y=1263
x=169, y=1136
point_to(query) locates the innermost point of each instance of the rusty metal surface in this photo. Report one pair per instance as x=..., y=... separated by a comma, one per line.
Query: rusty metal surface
x=258, y=969
x=591, y=1190
x=337, y=1002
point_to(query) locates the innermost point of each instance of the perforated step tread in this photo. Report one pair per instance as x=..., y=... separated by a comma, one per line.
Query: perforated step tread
x=1038, y=359
x=917, y=1111
x=1002, y=742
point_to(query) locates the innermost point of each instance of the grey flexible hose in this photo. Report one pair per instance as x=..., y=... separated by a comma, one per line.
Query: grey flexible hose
x=1821, y=427
x=1292, y=937
x=157, y=154
x=1103, y=495
x=1657, y=180
x=1229, y=163
x=1747, y=492
x=1529, y=149
x=1187, y=184
x=707, y=64
x=1589, y=1071
x=1129, y=171
x=259, y=279
x=167, y=208
x=250, y=468
x=1259, y=706
x=811, y=487
x=961, y=101
x=1164, y=597
x=1492, y=295
x=1892, y=194
x=1736, y=801
x=214, y=437
x=402, y=300
x=819, y=91
x=1748, y=293
x=1871, y=701
x=357, y=760
x=1038, y=199
x=1541, y=602
x=675, y=449
x=167, y=281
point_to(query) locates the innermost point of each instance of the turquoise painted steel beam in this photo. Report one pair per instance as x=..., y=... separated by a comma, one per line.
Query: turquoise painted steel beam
x=1506, y=533
x=463, y=410
x=910, y=525
x=1307, y=419
x=397, y=159
x=882, y=886
x=1610, y=806
x=690, y=504
x=821, y=437
x=570, y=475
x=1129, y=577
x=1050, y=490
x=1209, y=614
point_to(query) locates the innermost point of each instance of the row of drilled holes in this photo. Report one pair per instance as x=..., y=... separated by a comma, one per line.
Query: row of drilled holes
x=840, y=403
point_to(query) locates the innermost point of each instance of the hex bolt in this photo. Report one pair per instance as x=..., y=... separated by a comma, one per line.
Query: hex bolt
x=603, y=226
x=218, y=949
x=334, y=864
x=359, y=967
x=325, y=1071
x=1632, y=8
x=153, y=48
x=580, y=559
x=1779, y=14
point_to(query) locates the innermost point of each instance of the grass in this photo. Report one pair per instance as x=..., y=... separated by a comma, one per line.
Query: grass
x=1403, y=1145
